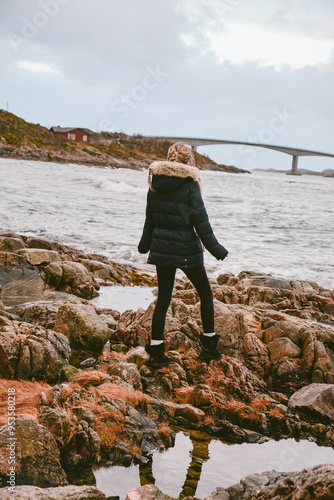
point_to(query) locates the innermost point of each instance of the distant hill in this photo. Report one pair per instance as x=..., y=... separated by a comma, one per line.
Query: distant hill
x=329, y=172
x=22, y=140
x=304, y=171
x=270, y=170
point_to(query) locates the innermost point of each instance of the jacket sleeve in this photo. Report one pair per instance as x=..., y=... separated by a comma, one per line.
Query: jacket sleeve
x=200, y=221
x=145, y=241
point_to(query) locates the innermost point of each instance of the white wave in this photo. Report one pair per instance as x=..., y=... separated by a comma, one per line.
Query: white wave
x=117, y=187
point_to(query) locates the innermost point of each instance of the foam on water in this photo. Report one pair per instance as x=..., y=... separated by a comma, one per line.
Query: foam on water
x=117, y=187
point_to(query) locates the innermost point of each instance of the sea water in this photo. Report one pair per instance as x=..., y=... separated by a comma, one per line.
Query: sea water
x=269, y=222
x=182, y=469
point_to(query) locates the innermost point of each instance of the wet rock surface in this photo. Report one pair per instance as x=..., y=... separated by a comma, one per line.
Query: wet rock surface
x=315, y=400
x=70, y=277
x=20, y=280
x=60, y=493
x=87, y=333
x=37, y=256
x=11, y=244
x=37, y=455
x=29, y=265
x=105, y=405
x=315, y=483
x=31, y=352
x=147, y=492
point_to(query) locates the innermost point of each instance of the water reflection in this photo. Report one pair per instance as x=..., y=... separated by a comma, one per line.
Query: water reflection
x=199, y=455
x=146, y=472
x=122, y=298
x=196, y=465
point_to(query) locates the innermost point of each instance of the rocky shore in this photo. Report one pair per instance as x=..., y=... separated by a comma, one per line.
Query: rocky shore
x=27, y=141
x=85, y=397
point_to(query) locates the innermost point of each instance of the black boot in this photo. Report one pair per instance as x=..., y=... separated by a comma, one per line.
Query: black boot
x=157, y=355
x=209, y=349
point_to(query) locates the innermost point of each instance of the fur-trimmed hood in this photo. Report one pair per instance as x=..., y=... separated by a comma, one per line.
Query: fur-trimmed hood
x=174, y=169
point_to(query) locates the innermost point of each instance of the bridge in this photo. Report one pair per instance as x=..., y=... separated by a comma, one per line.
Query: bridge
x=294, y=152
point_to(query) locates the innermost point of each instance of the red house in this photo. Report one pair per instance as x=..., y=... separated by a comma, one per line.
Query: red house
x=72, y=134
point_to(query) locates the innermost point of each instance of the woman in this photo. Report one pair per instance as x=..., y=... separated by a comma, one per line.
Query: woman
x=176, y=224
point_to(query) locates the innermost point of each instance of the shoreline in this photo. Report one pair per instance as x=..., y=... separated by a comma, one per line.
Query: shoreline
x=112, y=163
x=149, y=269
x=26, y=141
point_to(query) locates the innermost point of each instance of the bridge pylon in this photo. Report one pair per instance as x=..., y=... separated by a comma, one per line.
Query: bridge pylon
x=294, y=166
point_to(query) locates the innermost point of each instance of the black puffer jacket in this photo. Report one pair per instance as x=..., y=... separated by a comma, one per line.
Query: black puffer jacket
x=176, y=219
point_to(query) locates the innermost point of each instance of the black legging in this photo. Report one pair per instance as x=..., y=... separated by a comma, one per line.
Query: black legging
x=198, y=277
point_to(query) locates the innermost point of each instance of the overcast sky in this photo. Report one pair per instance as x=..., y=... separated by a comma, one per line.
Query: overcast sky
x=251, y=70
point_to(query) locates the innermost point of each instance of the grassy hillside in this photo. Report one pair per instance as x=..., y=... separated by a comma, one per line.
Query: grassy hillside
x=16, y=131
x=20, y=139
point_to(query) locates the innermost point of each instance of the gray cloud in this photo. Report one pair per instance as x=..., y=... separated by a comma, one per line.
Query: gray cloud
x=305, y=17
x=105, y=51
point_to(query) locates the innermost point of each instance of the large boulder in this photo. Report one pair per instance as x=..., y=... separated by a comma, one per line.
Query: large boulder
x=11, y=244
x=125, y=274
x=42, y=312
x=36, y=455
x=21, y=281
x=315, y=400
x=100, y=270
x=315, y=483
x=77, y=440
x=183, y=413
x=283, y=348
x=70, y=492
x=35, y=242
x=31, y=352
x=140, y=430
x=128, y=372
x=73, y=426
x=147, y=492
x=38, y=256
x=57, y=421
x=86, y=331
x=201, y=396
x=71, y=277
